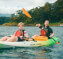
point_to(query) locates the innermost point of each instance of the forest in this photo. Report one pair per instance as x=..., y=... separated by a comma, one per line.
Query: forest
x=50, y=11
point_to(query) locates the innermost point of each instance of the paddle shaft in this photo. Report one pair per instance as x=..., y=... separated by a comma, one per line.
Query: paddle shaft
x=55, y=41
x=28, y=39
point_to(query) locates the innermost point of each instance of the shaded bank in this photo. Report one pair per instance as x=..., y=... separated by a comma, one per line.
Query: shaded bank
x=15, y=24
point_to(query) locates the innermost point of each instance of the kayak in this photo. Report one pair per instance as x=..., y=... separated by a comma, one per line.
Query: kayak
x=49, y=42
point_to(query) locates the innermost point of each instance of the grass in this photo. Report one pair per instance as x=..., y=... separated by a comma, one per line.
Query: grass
x=15, y=24
x=54, y=24
x=10, y=24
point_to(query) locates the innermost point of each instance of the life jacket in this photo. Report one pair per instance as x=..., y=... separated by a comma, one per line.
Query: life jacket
x=18, y=33
x=43, y=32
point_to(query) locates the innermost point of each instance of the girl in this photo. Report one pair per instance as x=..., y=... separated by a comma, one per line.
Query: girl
x=18, y=36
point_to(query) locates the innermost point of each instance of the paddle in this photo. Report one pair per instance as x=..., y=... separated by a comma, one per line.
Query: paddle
x=38, y=38
x=26, y=13
x=28, y=38
x=55, y=41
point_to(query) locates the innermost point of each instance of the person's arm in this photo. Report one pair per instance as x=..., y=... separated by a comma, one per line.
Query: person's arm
x=26, y=34
x=51, y=35
x=38, y=25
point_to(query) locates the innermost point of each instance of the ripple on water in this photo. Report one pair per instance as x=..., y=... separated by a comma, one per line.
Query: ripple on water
x=53, y=52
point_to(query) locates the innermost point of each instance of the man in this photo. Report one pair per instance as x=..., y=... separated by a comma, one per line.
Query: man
x=45, y=30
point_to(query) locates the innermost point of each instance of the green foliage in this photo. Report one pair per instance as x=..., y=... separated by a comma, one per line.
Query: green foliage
x=50, y=11
x=4, y=20
x=61, y=21
x=10, y=24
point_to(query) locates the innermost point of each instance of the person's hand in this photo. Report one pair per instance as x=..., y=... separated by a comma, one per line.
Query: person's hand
x=30, y=39
x=51, y=35
x=37, y=25
x=21, y=37
x=18, y=36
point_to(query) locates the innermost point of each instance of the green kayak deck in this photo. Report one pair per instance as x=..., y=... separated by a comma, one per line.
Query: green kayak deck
x=49, y=42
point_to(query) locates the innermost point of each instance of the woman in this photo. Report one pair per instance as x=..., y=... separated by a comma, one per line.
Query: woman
x=18, y=36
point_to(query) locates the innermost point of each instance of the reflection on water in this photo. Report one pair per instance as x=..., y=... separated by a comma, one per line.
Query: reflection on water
x=52, y=52
x=26, y=53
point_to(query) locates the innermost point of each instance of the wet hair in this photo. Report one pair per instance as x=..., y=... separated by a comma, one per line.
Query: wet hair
x=21, y=23
x=46, y=20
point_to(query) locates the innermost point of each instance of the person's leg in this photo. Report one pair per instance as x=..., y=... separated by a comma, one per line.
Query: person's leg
x=12, y=39
x=4, y=38
x=35, y=36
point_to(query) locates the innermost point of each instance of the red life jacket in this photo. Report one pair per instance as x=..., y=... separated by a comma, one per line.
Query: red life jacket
x=18, y=33
x=43, y=32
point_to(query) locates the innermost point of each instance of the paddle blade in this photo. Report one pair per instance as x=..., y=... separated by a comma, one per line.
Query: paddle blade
x=40, y=38
x=57, y=42
x=26, y=13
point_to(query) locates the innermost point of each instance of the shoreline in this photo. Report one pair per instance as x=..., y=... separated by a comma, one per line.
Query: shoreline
x=15, y=24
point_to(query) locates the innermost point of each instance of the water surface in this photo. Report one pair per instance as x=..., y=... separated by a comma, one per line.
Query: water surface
x=52, y=52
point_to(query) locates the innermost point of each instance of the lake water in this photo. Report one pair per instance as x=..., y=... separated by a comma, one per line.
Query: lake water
x=52, y=52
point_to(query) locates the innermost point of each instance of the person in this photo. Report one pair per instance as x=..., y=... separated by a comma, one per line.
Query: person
x=45, y=30
x=21, y=34
x=18, y=36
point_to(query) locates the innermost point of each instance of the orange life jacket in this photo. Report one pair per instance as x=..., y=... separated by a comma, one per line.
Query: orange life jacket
x=18, y=33
x=43, y=32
